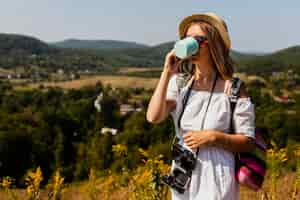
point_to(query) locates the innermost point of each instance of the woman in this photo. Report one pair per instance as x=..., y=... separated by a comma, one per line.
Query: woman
x=214, y=175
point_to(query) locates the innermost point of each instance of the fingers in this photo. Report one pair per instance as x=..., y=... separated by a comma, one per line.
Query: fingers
x=192, y=146
x=187, y=135
x=189, y=142
x=171, y=58
x=171, y=53
x=192, y=141
x=188, y=139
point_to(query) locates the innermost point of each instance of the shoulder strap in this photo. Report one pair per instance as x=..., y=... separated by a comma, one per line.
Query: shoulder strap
x=234, y=91
x=234, y=96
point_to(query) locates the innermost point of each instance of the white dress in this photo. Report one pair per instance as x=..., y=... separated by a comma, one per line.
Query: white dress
x=214, y=177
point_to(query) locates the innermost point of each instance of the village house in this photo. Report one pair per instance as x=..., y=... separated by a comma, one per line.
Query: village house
x=107, y=130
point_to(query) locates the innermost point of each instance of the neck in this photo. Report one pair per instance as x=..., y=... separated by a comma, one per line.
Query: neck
x=205, y=71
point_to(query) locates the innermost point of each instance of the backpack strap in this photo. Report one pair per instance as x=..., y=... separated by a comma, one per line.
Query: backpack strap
x=234, y=95
x=234, y=91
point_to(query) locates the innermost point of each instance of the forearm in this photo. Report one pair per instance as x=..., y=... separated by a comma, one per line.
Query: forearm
x=233, y=142
x=157, y=105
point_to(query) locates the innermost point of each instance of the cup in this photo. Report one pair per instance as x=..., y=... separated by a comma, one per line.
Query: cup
x=186, y=47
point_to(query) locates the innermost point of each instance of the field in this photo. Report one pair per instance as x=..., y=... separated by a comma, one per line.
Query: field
x=124, y=78
x=121, y=80
x=114, y=81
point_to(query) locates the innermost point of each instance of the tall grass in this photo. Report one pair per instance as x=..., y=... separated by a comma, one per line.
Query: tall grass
x=145, y=183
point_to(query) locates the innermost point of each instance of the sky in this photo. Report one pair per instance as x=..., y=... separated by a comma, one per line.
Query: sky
x=254, y=26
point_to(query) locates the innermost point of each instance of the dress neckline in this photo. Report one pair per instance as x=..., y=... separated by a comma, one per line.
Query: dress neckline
x=241, y=99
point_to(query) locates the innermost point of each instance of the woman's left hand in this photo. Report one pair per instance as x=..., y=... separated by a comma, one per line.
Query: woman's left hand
x=198, y=139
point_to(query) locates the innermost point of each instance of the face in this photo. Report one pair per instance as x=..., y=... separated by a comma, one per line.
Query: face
x=195, y=30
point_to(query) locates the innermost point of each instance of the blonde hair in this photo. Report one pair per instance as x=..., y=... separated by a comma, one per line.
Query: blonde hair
x=218, y=51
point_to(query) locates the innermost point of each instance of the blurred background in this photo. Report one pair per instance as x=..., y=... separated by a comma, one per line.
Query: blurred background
x=57, y=57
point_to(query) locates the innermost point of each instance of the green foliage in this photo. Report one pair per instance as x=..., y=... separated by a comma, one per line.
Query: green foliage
x=53, y=128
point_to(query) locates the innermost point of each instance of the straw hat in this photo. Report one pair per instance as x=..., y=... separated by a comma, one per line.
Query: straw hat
x=210, y=18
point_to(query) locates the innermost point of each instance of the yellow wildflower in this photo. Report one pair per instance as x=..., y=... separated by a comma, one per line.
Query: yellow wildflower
x=6, y=182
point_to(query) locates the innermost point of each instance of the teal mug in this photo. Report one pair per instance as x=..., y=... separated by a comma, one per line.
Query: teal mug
x=188, y=46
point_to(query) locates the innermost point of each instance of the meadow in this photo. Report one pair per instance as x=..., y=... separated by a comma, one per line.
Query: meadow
x=115, y=81
x=144, y=182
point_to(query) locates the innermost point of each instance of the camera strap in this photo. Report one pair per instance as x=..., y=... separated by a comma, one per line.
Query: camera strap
x=184, y=102
x=185, y=99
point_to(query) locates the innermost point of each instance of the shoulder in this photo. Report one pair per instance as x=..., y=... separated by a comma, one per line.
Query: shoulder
x=180, y=81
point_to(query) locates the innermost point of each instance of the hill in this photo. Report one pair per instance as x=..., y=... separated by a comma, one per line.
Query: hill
x=11, y=44
x=281, y=60
x=17, y=50
x=97, y=44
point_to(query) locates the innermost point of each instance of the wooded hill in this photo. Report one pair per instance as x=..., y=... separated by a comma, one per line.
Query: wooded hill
x=19, y=50
x=97, y=44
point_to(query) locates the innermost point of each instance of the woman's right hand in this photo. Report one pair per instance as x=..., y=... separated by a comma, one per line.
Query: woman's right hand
x=172, y=63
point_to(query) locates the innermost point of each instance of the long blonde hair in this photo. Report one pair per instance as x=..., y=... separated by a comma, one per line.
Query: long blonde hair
x=218, y=51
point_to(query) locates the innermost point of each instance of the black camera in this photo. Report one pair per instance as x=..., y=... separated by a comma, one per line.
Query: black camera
x=185, y=162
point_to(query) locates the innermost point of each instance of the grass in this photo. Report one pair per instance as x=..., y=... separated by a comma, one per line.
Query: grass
x=76, y=191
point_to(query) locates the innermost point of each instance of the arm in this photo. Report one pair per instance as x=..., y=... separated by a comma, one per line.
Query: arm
x=159, y=107
x=230, y=142
x=237, y=142
x=233, y=142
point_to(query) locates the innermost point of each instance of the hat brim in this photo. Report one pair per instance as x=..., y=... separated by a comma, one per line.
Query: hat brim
x=210, y=19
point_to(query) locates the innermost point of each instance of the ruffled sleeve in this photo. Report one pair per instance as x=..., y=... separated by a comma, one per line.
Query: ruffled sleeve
x=172, y=90
x=244, y=117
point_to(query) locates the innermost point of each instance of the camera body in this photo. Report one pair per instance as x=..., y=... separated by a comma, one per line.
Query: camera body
x=184, y=163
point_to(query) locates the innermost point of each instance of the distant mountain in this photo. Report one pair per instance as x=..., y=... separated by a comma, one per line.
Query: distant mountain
x=17, y=50
x=292, y=54
x=281, y=60
x=97, y=44
x=23, y=45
